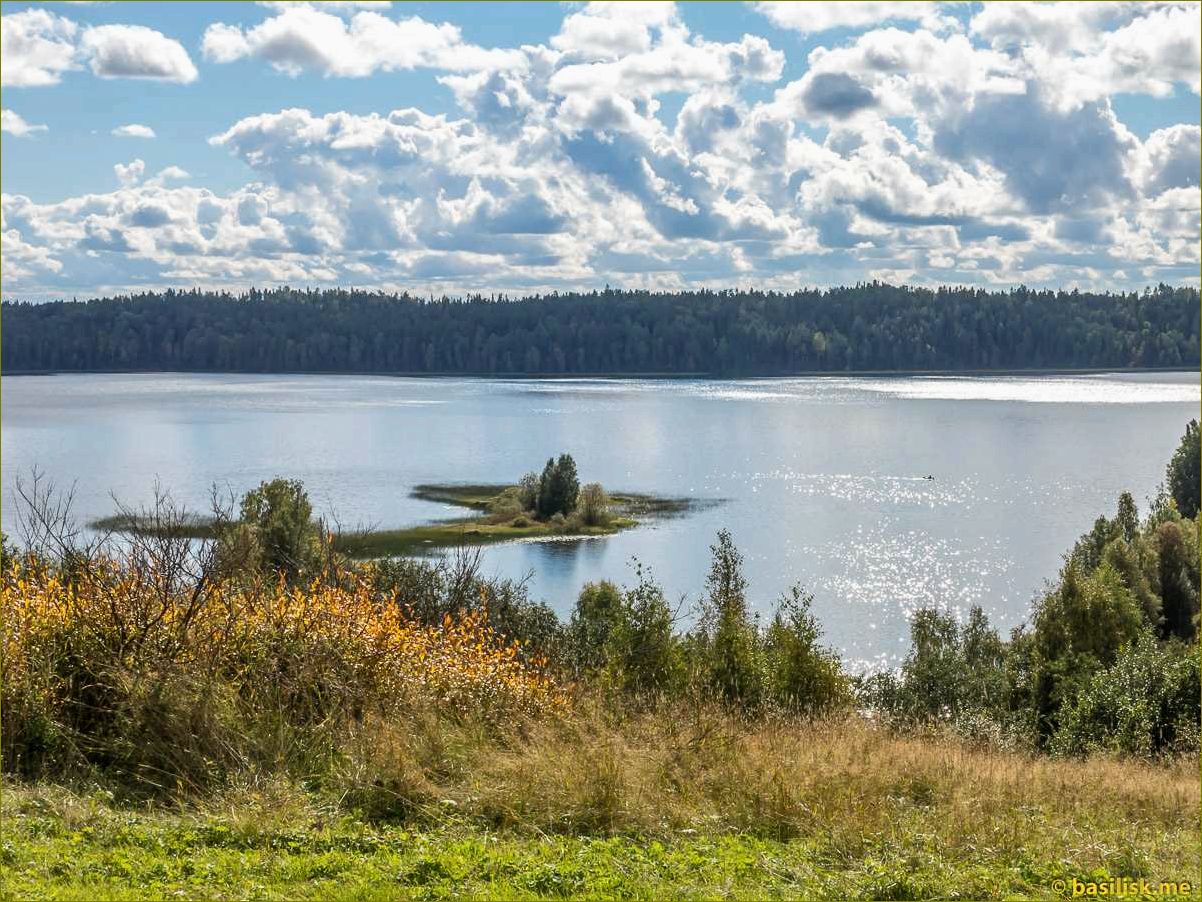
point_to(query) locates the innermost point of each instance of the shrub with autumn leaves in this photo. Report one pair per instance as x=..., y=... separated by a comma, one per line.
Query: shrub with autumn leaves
x=118, y=666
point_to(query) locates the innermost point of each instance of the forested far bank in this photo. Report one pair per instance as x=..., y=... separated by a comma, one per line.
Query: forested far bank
x=873, y=326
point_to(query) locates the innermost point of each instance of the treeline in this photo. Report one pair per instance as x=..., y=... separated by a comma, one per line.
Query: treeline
x=871, y=326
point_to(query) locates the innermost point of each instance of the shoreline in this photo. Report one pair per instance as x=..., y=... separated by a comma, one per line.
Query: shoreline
x=565, y=377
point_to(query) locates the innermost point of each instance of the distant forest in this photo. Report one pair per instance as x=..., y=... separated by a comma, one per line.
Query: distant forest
x=872, y=326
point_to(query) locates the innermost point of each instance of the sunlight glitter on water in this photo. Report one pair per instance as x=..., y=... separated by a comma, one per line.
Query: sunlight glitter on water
x=1043, y=390
x=875, y=490
x=882, y=576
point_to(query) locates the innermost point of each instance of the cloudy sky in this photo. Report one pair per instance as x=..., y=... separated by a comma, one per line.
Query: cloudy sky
x=468, y=146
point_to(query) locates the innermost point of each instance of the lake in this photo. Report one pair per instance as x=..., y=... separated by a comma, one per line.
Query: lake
x=820, y=480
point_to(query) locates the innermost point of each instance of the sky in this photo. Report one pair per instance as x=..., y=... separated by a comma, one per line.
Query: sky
x=453, y=148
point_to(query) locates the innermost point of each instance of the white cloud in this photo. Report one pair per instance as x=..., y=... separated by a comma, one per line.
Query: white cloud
x=347, y=6
x=617, y=54
x=910, y=73
x=38, y=46
x=603, y=31
x=1058, y=27
x=1168, y=159
x=130, y=173
x=302, y=38
x=811, y=18
x=134, y=51
x=133, y=130
x=989, y=154
x=1082, y=52
x=13, y=124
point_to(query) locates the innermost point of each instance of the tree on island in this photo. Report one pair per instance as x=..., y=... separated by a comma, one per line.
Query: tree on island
x=593, y=504
x=558, y=487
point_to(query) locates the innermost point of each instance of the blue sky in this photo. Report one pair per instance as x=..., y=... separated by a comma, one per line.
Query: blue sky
x=454, y=147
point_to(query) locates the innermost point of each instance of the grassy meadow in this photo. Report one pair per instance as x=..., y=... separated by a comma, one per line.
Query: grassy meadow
x=700, y=805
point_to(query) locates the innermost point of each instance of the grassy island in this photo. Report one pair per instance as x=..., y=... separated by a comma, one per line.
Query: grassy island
x=548, y=506
x=494, y=520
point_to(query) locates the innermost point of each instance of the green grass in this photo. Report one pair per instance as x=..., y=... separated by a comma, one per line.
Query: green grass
x=57, y=845
x=462, y=495
x=479, y=529
x=480, y=496
x=194, y=527
x=453, y=533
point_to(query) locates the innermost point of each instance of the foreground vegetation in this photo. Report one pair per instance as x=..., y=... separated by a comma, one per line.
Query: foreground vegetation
x=262, y=705
x=704, y=805
x=736, y=332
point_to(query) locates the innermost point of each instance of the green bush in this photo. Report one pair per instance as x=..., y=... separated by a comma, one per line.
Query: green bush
x=1146, y=703
x=434, y=589
x=1176, y=544
x=726, y=644
x=600, y=612
x=276, y=532
x=647, y=655
x=952, y=673
x=626, y=638
x=528, y=492
x=799, y=674
x=507, y=505
x=594, y=505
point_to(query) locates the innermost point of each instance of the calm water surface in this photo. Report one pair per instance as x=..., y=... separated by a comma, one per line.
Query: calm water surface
x=821, y=479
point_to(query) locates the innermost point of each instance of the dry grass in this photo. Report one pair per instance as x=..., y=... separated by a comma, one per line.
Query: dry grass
x=642, y=806
x=845, y=782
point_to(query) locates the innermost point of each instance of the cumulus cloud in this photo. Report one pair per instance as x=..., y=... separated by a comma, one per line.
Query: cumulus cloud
x=303, y=38
x=13, y=124
x=604, y=31
x=613, y=68
x=133, y=130
x=1169, y=159
x=134, y=51
x=809, y=18
x=629, y=149
x=130, y=173
x=1083, y=52
x=39, y=46
x=1050, y=160
x=1058, y=27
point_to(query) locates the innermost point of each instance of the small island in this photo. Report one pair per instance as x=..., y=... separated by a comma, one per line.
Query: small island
x=547, y=506
x=552, y=504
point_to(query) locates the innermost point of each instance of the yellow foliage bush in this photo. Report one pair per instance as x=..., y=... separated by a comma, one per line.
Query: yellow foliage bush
x=84, y=659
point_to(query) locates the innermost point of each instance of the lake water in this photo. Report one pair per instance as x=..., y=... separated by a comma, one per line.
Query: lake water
x=820, y=479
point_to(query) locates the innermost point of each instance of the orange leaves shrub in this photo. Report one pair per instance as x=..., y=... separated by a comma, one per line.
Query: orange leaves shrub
x=384, y=658
x=116, y=660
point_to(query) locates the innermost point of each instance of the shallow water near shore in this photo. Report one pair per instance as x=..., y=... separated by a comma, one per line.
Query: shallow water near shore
x=821, y=480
